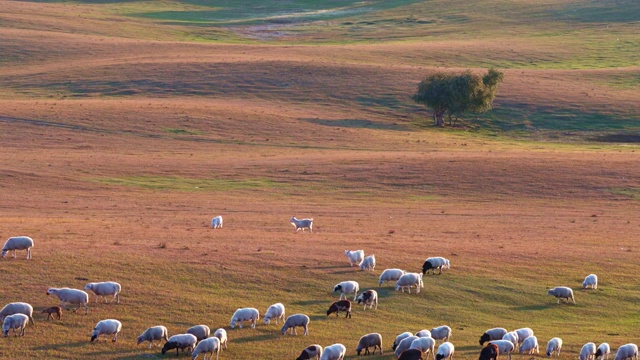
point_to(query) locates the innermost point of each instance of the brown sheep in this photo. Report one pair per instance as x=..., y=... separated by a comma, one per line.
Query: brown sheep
x=50, y=311
x=340, y=305
x=411, y=354
x=489, y=352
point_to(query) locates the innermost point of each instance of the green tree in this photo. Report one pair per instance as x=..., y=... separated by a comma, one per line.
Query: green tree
x=451, y=95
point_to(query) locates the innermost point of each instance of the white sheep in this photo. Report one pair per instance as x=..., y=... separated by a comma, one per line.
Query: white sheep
x=275, y=311
x=103, y=289
x=627, y=351
x=368, y=263
x=17, y=308
x=588, y=351
x=154, y=333
x=591, y=281
x=492, y=334
x=562, y=292
x=216, y=223
x=504, y=347
x=554, y=346
x=603, y=351
x=513, y=337
x=425, y=344
x=409, y=280
x=184, y=342
x=205, y=346
x=434, y=263
x=530, y=345
x=399, y=338
x=201, y=332
x=16, y=322
x=390, y=275
x=523, y=333
x=445, y=351
x=423, y=333
x=373, y=340
x=106, y=327
x=311, y=352
x=354, y=256
x=18, y=243
x=370, y=298
x=245, y=314
x=347, y=287
x=221, y=334
x=441, y=333
x=404, y=344
x=72, y=296
x=294, y=321
x=302, y=224
x=334, y=352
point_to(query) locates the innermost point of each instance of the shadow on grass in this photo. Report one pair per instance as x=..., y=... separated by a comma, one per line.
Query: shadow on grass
x=534, y=307
x=63, y=346
x=357, y=123
x=309, y=302
x=264, y=337
x=617, y=138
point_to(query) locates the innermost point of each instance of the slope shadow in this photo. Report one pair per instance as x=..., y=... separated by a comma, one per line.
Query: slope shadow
x=357, y=123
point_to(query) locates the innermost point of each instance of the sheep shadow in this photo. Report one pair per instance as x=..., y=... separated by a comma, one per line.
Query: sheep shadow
x=534, y=307
x=62, y=346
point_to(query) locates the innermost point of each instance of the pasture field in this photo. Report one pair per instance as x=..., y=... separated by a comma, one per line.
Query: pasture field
x=125, y=126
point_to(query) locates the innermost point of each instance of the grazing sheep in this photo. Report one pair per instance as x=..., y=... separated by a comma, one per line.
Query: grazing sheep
x=423, y=333
x=347, y=287
x=184, y=342
x=409, y=280
x=554, y=346
x=513, y=337
x=627, y=351
x=72, y=296
x=311, y=352
x=411, y=354
x=370, y=340
x=245, y=314
x=17, y=308
x=434, y=263
x=492, y=334
x=404, y=344
x=340, y=305
x=302, y=224
x=530, y=345
x=221, y=334
x=603, y=351
x=504, y=347
x=354, y=256
x=275, y=311
x=18, y=243
x=399, y=338
x=523, y=333
x=562, y=292
x=103, y=289
x=106, y=327
x=51, y=311
x=489, y=352
x=591, y=281
x=206, y=346
x=441, y=333
x=425, y=344
x=588, y=351
x=216, y=223
x=369, y=263
x=154, y=333
x=16, y=322
x=445, y=351
x=370, y=298
x=390, y=275
x=201, y=332
x=296, y=320
x=334, y=352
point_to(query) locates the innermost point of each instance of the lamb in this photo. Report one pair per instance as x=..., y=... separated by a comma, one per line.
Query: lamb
x=205, y=346
x=424, y=344
x=201, y=332
x=562, y=292
x=311, y=352
x=334, y=352
x=245, y=314
x=441, y=333
x=221, y=334
x=296, y=320
x=17, y=308
x=184, y=342
x=523, y=333
x=591, y=281
x=16, y=322
x=404, y=344
x=423, y=333
x=354, y=256
x=603, y=351
x=492, y=334
x=554, y=346
x=216, y=223
x=302, y=224
x=445, y=351
x=399, y=338
x=275, y=311
x=411, y=354
x=530, y=344
x=106, y=327
x=347, y=287
x=409, y=280
x=489, y=352
x=370, y=340
x=370, y=298
x=18, y=243
x=368, y=263
x=627, y=351
x=105, y=288
x=512, y=336
x=154, y=333
x=434, y=263
x=588, y=351
x=51, y=311
x=72, y=296
x=340, y=305
x=390, y=275
x=504, y=347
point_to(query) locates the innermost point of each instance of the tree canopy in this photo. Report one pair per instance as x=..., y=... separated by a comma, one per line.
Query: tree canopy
x=451, y=95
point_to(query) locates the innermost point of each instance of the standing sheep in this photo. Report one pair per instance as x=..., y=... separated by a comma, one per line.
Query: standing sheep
x=423, y=333
x=489, y=352
x=369, y=263
x=588, y=351
x=404, y=345
x=603, y=351
x=106, y=327
x=221, y=334
x=562, y=292
x=154, y=333
x=311, y=352
x=201, y=332
x=591, y=281
x=334, y=352
x=347, y=287
x=354, y=256
x=554, y=346
x=408, y=281
x=216, y=223
x=390, y=275
x=72, y=296
x=434, y=263
x=411, y=354
x=370, y=340
x=370, y=298
x=399, y=338
x=245, y=314
x=425, y=344
x=513, y=337
x=441, y=333
x=17, y=308
x=492, y=334
x=296, y=320
x=445, y=351
x=205, y=346
x=184, y=342
x=51, y=311
x=504, y=347
x=275, y=311
x=103, y=289
x=302, y=224
x=627, y=351
x=530, y=345
x=18, y=243
x=340, y=305
x=16, y=322
x=523, y=333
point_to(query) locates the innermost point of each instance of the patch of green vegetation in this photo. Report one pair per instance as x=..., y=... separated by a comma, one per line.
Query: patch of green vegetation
x=420, y=198
x=176, y=183
x=183, y=131
x=633, y=192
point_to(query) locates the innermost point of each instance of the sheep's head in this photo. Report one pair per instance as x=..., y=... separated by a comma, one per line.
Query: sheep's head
x=337, y=288
x=4, y=252
x=169, y=346
x=51, y=291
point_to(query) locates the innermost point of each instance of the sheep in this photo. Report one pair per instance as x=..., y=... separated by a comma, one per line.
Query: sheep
x=275, y=311
x=588, y=351
x=423, y=333
x=205, y=346
x=354, y=256
x=106, y=327
x=347, y=287
x=18, y=243
x=390, y=275
x=523, y=333
x=221, y=334
x=154, y=333
x=512, y=336
x=562, y=292
x=302, y=224
x=603, y=351
x=311, y=352
x=184, y=342
x=334, y=352
x=489, y=352
x=404, y=344
x=16, y=322
x=340, y=305
x=492, y=334
x=216, y=223
x=370, y=298
x=17, y=308
x=411, y=354
x=445, y=351
x=51, y=311
x=399, y=338
x=72, y=296
x=296, y=320
x=434, y=263
x=245, y=314
x=409, y=280
x=441, y=333
x=425, y=344
x=591, y=281
x=530, y=344
x=201, y=332
x=370, y=340
x=504, y=347
x=554, y=346
x=627, y=351
x=368, y=263
x=105, y=288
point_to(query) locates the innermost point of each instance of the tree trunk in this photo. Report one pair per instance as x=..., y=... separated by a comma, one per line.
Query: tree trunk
x=438, y=118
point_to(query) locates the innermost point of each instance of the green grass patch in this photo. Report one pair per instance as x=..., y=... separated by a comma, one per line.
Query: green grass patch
x=183, y=131
x=632, y=192
x=176, y=183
